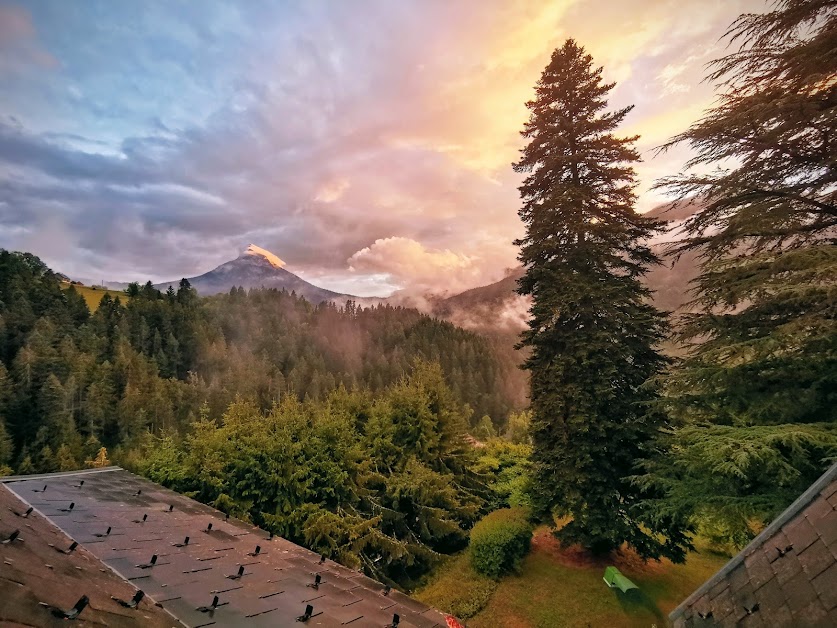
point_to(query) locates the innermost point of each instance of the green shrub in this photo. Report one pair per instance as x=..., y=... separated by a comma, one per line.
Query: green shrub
x=457, y=589
x=499, y=541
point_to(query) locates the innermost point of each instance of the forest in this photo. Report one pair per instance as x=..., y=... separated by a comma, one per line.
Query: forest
x=380, y=435
x=156, y=361
x=340, y=428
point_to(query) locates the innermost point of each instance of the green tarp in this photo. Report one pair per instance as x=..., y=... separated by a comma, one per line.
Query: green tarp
x=615, y=580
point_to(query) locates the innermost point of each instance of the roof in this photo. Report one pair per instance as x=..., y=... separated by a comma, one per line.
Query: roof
x=787, y=576
x=258, y=580
x=32, y=573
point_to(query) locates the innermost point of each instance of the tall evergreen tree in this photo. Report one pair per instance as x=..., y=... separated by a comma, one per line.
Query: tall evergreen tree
x=764, y=349
x=592, y=332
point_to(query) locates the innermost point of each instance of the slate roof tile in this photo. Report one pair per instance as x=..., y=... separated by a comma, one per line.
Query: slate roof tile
x=758, y=568
x=756, y=620
x=817, y=509
x=722, y=604
x=786, y=567
x=826, y=527
x=739, y=578
x=799, y=592
x=826, y=586
x=816, y=559
x=800, y=533
x=771, y=597
x=789, y=570
x=814, y=614
x=273, y=588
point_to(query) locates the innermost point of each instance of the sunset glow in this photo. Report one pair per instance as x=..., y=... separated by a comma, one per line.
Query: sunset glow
x=368, y=144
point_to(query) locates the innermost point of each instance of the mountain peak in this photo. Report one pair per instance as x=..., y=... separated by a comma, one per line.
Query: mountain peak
x=257, y=251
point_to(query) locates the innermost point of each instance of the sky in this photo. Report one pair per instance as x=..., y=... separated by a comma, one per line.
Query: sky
x=368, y=143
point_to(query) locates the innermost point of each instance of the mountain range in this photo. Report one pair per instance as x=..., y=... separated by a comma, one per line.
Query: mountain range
x=497, y=306
x=494, y=307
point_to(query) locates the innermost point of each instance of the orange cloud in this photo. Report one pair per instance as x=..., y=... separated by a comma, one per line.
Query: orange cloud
x=332, y=191
x=415, y=267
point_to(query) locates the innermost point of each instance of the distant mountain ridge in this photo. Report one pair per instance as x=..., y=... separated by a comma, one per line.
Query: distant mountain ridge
x=494, y=307
x=498, y=307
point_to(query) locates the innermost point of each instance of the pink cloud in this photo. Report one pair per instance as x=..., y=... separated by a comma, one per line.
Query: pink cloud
x=419, y=269
x=15, y=24
x=19, y=47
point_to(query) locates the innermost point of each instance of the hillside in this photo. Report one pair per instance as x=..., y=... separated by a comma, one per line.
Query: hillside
x=494, y=307
x=497, y=308
x=93, y=294
x=157, y=361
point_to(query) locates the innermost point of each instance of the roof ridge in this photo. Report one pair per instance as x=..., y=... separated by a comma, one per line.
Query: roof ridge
x=58, y=474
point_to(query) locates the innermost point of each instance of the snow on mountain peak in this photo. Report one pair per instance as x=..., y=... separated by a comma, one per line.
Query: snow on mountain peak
x=272, y=259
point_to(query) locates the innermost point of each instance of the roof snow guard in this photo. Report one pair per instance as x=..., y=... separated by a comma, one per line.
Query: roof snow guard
x=187, y=559
x=787, y=576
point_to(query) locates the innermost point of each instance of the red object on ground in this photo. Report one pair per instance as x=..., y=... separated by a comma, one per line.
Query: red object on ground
x=453, y=622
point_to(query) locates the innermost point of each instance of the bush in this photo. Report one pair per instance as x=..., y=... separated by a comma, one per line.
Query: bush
x=457, y=589
x=499, y=541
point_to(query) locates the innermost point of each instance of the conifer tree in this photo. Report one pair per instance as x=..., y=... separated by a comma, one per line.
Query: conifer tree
x=64, y=458
x=26, y=465
x=101, y=460
x=763, y=358
x=6, y=445
x=592, y=332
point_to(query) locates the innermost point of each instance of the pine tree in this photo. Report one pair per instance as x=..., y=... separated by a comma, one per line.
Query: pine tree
x=764, y=340
x=57, y=418
x=100, y=461
x=26, y=465
x=6, y=445
x=186, y=294
x=46, y=460
x=592, y=332
x=484, y=429
x=64, y=458
x=76, y=309
x=517, y=427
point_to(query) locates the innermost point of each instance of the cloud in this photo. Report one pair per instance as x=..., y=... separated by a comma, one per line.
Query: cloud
x=19, y=46
x=172, y=135
x=415, y=267
x=332, y=191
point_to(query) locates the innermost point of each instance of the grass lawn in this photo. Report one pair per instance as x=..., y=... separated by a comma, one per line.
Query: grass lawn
x=93, y=295
x=560, y=587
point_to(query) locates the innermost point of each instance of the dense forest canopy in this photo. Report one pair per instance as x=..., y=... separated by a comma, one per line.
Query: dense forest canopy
x=380, y=482
x=71, y=381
